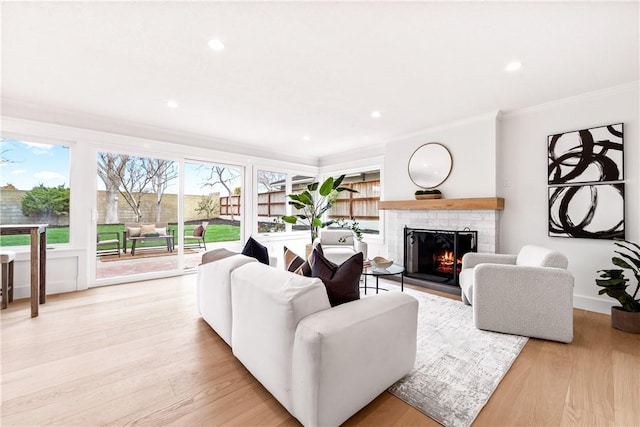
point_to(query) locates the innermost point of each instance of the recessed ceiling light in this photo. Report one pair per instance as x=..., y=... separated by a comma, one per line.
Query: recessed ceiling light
x=172, y=104
x=376, y=114
x=513, y=66
x=216, y=44
x=306, y=138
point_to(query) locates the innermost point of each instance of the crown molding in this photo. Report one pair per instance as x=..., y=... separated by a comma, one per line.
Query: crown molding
x=508, y=114
x=18, y=109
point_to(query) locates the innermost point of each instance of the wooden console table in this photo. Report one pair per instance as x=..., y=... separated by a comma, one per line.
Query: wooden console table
x=38, y=259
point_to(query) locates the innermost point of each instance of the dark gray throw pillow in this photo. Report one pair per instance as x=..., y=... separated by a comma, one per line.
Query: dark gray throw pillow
x=254, y=249
x=342, y=281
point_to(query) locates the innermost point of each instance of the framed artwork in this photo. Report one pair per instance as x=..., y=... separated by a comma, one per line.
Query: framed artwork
x=588, y=155
x=593, y=211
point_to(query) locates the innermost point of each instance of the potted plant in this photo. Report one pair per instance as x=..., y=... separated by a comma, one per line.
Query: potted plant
x=354, y=226
x=625, y=317
x=313, y=207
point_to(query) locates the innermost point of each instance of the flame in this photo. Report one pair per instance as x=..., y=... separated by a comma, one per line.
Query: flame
x=444, y=262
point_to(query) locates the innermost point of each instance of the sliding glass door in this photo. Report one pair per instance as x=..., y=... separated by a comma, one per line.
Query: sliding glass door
x=136, y=215
x=212, y=207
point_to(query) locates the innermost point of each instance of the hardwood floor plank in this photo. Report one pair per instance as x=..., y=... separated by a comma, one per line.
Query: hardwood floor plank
x=141, y=354
x=589, y=398
x=626, y=377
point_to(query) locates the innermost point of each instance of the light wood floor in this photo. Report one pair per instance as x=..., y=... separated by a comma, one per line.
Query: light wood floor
x=140, y=354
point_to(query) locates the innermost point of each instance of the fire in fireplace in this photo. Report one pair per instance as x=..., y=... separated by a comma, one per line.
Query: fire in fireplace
x=436, y=255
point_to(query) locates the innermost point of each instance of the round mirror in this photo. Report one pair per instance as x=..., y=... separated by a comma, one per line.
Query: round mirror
x=430, y=165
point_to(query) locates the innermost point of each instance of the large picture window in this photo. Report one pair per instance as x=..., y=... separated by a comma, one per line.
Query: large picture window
x=361, y=206
x=34, y=188
x=272, y=202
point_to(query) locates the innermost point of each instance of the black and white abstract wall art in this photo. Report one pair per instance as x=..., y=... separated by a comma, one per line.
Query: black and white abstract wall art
x=587, y=211
x=588, y=155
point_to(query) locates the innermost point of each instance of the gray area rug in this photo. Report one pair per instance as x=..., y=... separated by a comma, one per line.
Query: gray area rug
x=457, y=367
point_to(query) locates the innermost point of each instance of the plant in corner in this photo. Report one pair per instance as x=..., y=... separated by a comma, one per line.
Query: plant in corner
x=626, y=317
x=313, y=208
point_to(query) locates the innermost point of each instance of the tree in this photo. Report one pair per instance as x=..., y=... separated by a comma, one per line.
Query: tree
x=225, y=177
x=162, y=172
x=270, y=181
x=110, y=169
x=134, y=183
x=208, y=205
x=46, y=201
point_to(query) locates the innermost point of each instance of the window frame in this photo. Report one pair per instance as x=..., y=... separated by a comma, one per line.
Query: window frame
x=72, y=177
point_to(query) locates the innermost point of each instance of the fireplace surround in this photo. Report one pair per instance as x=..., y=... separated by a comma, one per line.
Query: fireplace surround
x=436, y=255
x=481, y=214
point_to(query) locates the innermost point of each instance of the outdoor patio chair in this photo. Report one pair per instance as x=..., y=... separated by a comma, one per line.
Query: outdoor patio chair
x=197, y=238
x=103, y=240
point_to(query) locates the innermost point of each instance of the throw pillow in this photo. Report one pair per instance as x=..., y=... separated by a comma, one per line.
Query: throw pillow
x=162, y=231
x=295, y=263
x=147, y=228
x=197, y=232
x=342, y=281
x=216, y=254
x=254, y=249
x=133, y=231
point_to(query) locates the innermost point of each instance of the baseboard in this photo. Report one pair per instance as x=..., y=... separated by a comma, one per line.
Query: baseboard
x=53, y=287
x=593, y=304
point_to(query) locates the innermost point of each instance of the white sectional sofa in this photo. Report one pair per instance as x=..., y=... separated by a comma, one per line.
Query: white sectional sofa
x=322, y=364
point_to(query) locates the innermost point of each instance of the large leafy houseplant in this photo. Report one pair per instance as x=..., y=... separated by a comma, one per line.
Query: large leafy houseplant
x=314, y=201
x=613, y=281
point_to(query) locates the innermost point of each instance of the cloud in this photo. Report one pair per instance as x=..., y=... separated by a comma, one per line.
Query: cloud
x=37, y=147
x=48, y=176
x=18, y=172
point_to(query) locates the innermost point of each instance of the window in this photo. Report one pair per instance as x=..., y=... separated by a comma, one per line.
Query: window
x=212, y=197
x=361, y=206
x=34, y=188
x=135, y=193
x=272, y=201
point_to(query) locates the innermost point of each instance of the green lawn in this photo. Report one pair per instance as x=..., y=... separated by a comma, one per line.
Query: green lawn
x=215, y=233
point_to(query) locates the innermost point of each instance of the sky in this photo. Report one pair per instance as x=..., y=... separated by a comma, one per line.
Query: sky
x=29, y=164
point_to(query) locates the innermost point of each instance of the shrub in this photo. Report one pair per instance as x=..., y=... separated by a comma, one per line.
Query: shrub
x=46, y=201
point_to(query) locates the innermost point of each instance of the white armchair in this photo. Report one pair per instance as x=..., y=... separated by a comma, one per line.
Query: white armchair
x=339, y=244
x=529, y=294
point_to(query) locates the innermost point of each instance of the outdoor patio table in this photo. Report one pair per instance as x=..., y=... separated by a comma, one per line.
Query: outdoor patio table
x=38, y=259
x=134, y=240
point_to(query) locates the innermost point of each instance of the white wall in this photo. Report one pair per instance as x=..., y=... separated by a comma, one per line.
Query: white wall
x=523, y=164
x=510, y=149
x=472, y=144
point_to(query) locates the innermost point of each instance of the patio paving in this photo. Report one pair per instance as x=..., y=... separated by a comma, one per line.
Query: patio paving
x=160, y=261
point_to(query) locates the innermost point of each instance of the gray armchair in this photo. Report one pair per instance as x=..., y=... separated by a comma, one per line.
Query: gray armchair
x=529, y=294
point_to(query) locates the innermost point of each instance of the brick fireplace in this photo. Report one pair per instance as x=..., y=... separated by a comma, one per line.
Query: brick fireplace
x=481, y=215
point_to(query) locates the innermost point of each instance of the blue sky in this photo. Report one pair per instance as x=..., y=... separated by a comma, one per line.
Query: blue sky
x=30, y=164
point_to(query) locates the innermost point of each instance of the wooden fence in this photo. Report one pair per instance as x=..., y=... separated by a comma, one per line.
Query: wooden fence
x=361, y=205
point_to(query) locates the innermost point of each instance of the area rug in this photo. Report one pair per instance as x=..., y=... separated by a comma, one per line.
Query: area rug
x=457, y=367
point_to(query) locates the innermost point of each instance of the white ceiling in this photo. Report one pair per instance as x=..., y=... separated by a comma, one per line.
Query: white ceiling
x=310, y=68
